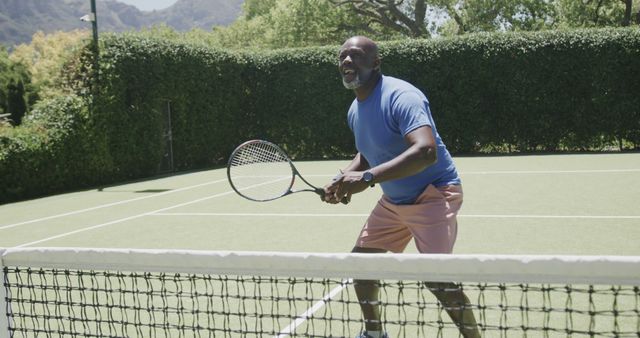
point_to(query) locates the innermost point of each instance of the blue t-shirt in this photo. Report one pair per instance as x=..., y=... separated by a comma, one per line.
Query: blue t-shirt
x=393, y=109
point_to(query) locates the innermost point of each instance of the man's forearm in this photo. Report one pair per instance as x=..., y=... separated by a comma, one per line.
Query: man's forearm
x=359, y=163
x=411, y=162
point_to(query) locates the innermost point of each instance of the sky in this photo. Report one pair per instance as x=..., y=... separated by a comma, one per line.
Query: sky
x=149, y=5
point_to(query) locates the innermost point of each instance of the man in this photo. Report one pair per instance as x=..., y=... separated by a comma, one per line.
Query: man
x=400, y=149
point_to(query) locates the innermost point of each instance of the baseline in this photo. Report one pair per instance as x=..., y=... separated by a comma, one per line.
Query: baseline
x=216, y=214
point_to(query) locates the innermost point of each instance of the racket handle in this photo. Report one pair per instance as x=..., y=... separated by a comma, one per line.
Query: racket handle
x=320, y=193
x=345, y=200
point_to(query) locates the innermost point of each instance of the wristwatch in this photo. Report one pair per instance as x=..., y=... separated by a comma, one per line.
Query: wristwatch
x=368, y=178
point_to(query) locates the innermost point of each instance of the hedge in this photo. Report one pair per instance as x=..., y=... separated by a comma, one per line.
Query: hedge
x=507, y=92
x=55, y=150
x=548, y=91
x=217, y=100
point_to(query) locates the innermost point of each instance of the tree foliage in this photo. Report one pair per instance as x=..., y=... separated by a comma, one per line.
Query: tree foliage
x=45, y=57
x=423, y=18
x=296, y=23
x=16, y=92
x=16, y=101
x=274, y=24
x=594, y=13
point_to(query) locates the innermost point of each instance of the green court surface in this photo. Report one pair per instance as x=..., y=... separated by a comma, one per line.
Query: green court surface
x=584, y=204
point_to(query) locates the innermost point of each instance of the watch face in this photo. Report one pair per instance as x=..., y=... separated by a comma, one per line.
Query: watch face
x=367, y=176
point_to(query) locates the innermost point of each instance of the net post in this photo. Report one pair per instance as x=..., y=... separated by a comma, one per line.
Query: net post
x=4, y=305
x=169, y=136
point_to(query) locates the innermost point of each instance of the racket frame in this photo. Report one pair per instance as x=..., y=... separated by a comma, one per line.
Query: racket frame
x=294, y=173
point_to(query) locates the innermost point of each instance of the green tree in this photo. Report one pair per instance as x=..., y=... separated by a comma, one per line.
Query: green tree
x=628, y=9
x=418, y=17
x=483, y=15
x=16, y=103
x=406, y=18
x=299, y=23
x=4, y=79
x=44, y=58
x=255, y=8
x=295, y=23
x=16, y=92
x=590, y=13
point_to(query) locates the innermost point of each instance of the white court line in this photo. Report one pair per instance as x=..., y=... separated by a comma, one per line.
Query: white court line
x=286, y=332
x=519, y=172
x=215, y=214
x=317, y=175
x=554, y=216
x=317, y=306
x=106, y=205
x=254, y=214
x=137, y=216
x=527, y=172
x=123, y=219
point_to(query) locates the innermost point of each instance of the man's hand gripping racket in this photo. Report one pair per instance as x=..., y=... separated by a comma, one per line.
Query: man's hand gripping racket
x=260, y=171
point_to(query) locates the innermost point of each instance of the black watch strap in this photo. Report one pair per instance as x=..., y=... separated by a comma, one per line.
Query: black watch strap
x=368, y=178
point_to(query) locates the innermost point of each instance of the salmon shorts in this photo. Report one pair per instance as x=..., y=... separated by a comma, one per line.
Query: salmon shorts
x=430, y=221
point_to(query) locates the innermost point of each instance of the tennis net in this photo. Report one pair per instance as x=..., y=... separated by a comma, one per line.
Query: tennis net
x=69, y=292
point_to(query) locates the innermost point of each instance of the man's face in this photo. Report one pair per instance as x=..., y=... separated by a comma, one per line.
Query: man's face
x=356, y=65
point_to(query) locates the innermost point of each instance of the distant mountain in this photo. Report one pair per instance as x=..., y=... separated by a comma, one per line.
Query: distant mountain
x=20, y=19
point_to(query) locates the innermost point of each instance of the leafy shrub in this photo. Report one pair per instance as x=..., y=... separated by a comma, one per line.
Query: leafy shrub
x=547, y=91
x=516, y=92
x=56, y=149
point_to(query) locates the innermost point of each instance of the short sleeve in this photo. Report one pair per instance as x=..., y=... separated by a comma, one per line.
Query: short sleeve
x=410, y=111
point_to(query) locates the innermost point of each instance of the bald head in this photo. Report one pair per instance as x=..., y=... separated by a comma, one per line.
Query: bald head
x=359, y=64
x=363, y=42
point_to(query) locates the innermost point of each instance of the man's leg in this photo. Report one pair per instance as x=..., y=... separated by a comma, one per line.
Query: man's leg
x=450, y=296
x=382, y=232
x=367, y=292
x=457, y=305
x=433, y=223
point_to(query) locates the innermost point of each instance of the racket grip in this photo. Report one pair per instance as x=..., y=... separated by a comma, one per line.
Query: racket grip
x=320, y=192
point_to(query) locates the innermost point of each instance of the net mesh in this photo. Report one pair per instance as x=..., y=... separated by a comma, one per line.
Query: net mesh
x=260, y=171
x=47, y=300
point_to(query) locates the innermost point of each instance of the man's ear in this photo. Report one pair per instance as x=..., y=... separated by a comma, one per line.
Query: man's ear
x=376, y=63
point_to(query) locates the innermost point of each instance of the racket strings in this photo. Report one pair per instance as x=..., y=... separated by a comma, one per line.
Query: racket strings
x=258, y=153
x=260, y=171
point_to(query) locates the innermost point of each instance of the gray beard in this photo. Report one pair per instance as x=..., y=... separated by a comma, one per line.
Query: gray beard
x=356, y=83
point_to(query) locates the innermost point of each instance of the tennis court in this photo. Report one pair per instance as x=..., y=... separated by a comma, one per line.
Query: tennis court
x=582, y=204
x=544, y=204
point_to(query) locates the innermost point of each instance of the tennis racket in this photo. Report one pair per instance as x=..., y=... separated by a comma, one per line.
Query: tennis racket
x=261, y=171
